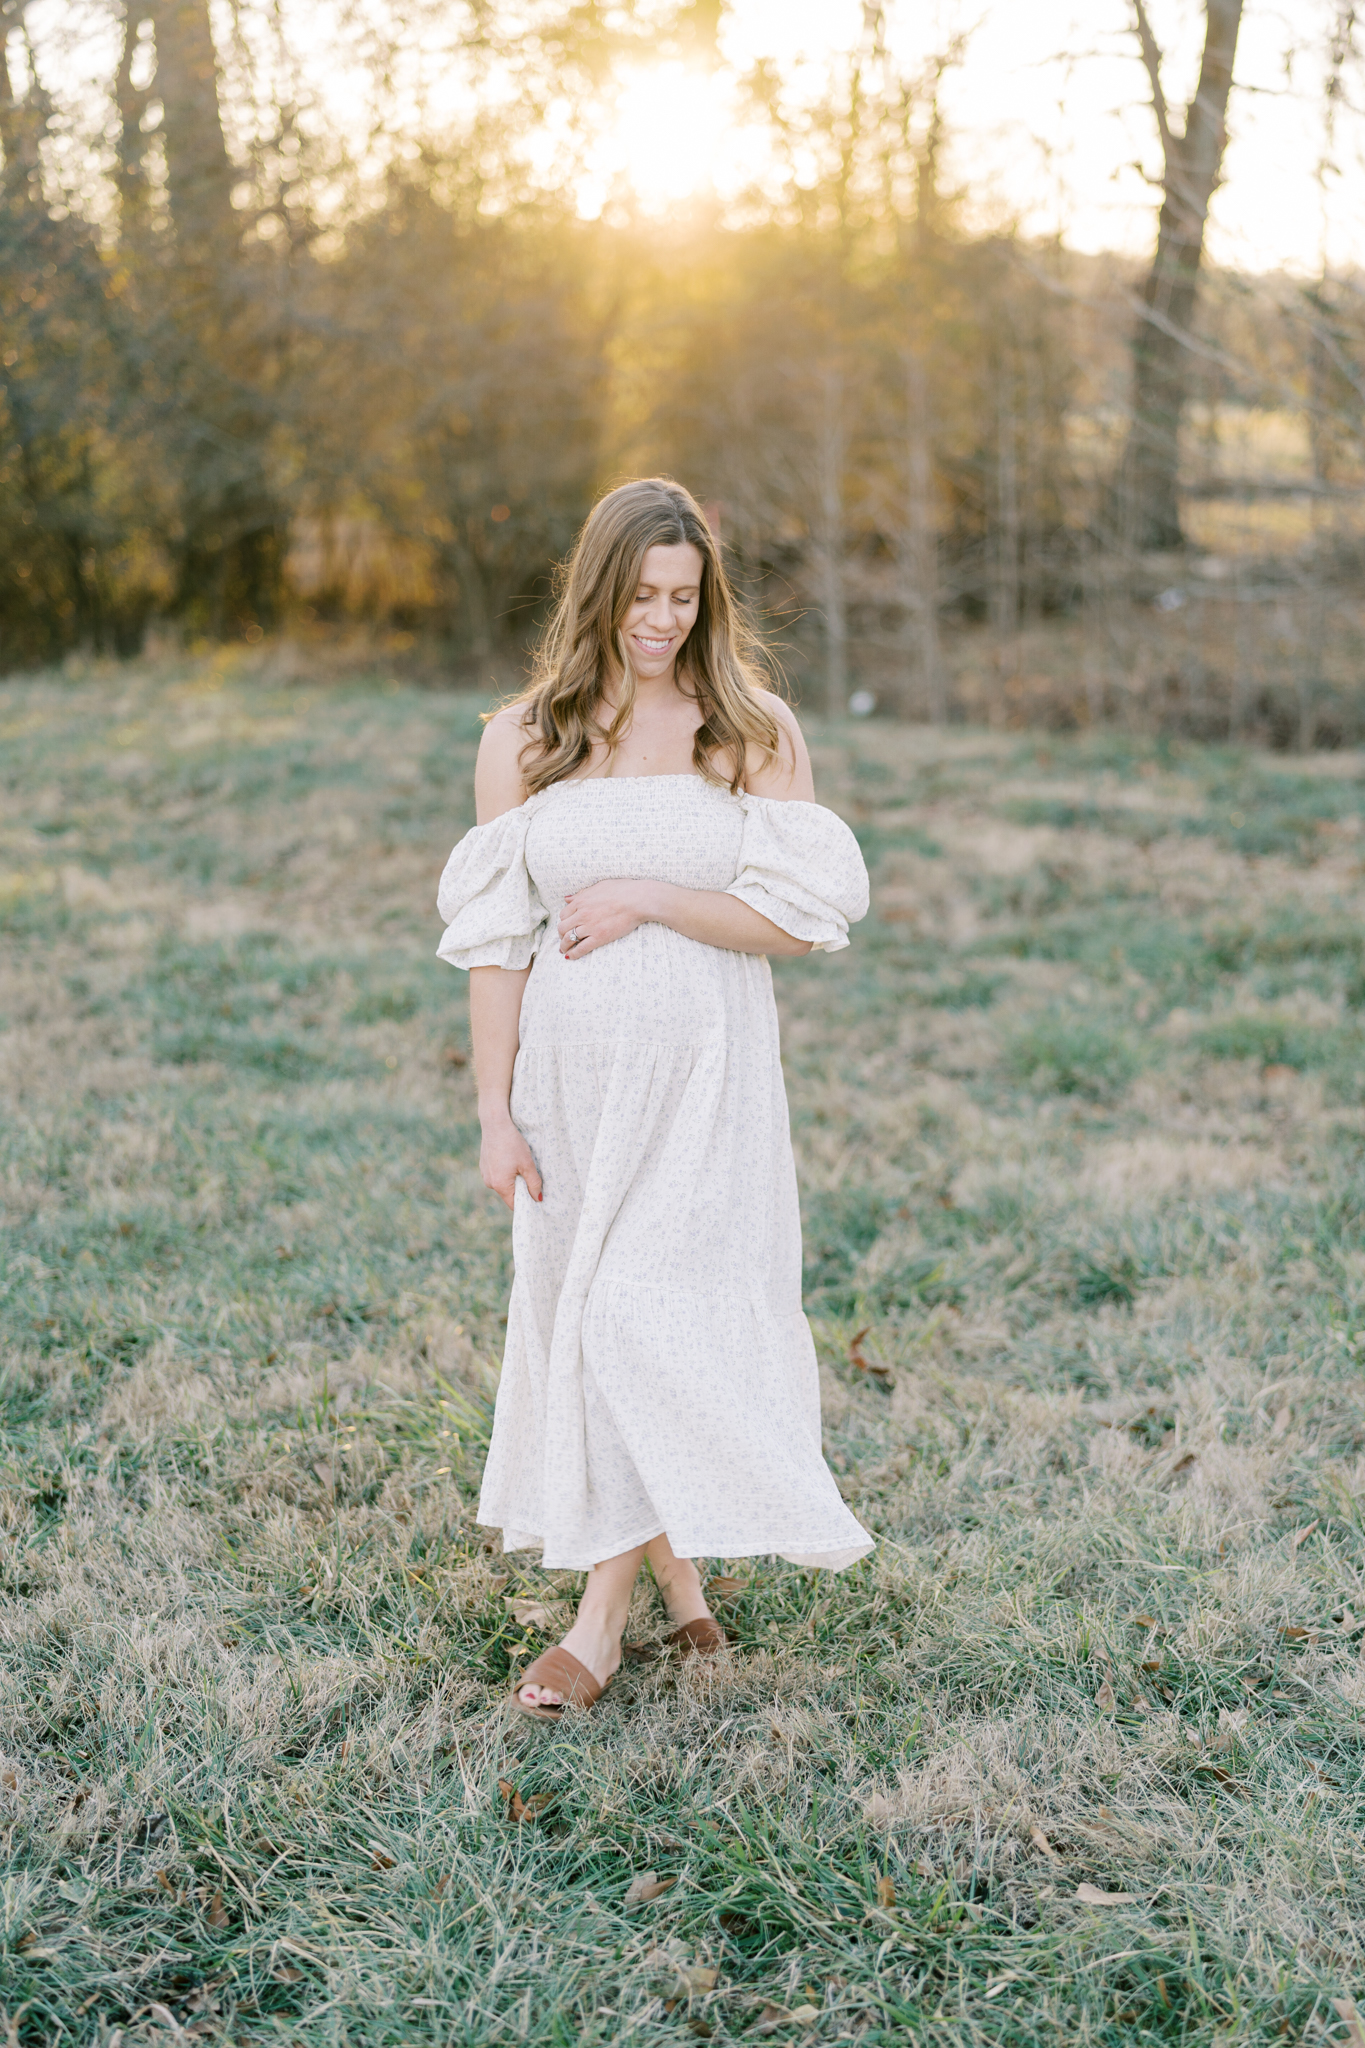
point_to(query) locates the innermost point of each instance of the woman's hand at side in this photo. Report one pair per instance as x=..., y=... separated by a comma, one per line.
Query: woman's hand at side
x=504, y=1157
x=494, y=1013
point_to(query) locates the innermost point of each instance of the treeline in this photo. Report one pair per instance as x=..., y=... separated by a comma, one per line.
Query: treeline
x=221, y=402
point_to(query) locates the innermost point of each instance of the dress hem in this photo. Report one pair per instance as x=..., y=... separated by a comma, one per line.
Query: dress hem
x=837, y=1558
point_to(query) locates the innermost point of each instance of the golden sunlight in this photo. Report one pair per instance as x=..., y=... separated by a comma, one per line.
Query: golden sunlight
x=669, y=123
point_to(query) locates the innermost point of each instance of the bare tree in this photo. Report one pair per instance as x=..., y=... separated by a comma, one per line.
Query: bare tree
x=1144, y=509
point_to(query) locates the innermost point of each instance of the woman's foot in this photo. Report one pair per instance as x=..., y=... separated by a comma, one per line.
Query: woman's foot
x=595, y=1638
x=593, y=1645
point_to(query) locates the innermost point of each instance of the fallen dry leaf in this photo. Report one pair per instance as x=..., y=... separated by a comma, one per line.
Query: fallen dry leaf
x=1346, y=2009
x=287, y=1974
x=873, y=1367
x=1302, y=1535
x=725, y=1588
x=1348, y=1626
x=698, y=1978
x=217, y=1915
x=1151, y=1664
x=886, y=1893
x=1299, y=1635
x=1089, y=1895
x=925, y=1870
x=9, y=1780
x=640, y=1653
x=531, y=1613
x=647, y=1885
x=1225, y=1779
x=1040, y=1841
x=1144, y=1621
x=519, y=1809
x=323, y=1473
x=381, y=1861
x=1104, y=1698
x=438, y=1890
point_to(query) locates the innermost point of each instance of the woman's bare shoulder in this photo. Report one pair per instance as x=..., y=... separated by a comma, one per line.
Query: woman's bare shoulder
x=787, y=774
x=498, y=786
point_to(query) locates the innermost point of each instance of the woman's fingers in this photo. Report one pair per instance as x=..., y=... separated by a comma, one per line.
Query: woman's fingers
x=504, y=1169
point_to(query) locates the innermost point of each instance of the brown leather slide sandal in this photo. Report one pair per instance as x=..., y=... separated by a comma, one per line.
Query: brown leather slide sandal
x=705, y=1637
x=561, y=1669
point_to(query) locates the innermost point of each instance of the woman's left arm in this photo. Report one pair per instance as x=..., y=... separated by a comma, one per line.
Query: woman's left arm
x=608, y=910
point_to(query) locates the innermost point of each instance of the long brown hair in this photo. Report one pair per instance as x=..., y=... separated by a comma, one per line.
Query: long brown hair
x=583, y=643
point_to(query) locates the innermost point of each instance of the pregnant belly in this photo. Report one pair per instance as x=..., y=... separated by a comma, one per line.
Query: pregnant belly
x=652, y=985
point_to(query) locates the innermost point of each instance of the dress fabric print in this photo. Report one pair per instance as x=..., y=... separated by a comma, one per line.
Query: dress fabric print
x=659, y=1375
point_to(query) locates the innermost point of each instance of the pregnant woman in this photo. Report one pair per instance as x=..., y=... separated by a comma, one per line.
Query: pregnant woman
x=647, y=833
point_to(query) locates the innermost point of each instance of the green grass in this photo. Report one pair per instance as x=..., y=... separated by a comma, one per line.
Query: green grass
x=1083, y=1166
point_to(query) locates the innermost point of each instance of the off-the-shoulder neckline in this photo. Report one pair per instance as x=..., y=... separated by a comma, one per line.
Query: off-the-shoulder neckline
x=528, y=805
x=720, y=788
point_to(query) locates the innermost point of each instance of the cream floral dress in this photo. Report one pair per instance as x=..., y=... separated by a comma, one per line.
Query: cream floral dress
x=659, y=1376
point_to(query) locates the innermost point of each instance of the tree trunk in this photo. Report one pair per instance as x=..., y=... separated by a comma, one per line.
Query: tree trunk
x=129, y=177
x=198, y=171
x=473, y=596
x=232, y=553
x=1005, y=568
x=1144, y=509
x=20, y=128
x=921, y=543
x=829, y=548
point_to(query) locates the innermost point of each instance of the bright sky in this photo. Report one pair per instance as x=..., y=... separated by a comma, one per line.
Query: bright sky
x=1046, y=113
x=1048, y=118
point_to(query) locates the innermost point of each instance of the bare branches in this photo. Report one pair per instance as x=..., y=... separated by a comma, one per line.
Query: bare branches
x=1151, y=58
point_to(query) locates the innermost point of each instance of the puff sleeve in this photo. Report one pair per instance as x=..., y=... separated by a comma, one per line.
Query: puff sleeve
x=494, y=918
x=801, y=867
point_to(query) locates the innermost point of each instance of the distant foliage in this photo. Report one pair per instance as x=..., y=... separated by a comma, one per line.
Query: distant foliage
x=251, y=378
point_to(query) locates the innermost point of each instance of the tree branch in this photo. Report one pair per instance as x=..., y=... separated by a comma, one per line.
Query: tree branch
x=1151, y=58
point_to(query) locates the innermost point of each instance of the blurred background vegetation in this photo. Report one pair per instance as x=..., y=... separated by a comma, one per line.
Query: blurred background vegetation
x=263, y=374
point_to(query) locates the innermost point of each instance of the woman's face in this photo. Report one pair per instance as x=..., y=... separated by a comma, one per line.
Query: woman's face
x=664, y=610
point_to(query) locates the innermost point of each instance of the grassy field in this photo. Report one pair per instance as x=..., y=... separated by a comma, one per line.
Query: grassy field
x=1075, y=1757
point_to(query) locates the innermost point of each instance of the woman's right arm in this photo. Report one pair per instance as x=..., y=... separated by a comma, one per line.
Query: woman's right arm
x=495, y=992
x=494, y=1019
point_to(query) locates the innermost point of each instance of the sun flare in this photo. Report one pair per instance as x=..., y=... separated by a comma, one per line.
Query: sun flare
x=666, y=133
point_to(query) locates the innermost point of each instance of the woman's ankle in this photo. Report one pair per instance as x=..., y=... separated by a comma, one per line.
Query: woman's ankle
x=683, y=1593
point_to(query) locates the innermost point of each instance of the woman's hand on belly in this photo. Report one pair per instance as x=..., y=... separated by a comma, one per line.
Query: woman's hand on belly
x=595, y=916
